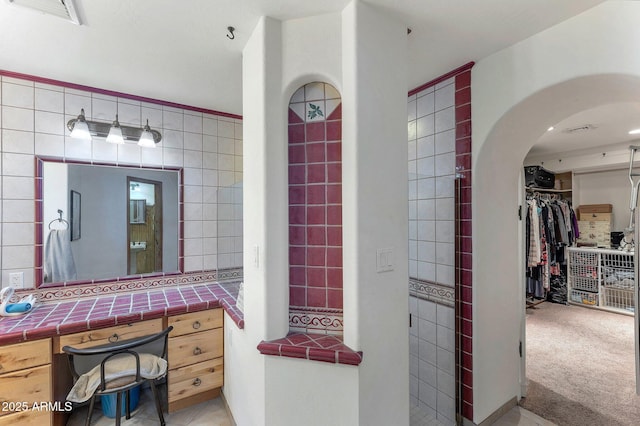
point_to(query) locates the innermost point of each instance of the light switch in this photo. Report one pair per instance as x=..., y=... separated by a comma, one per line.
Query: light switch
x=384, y=260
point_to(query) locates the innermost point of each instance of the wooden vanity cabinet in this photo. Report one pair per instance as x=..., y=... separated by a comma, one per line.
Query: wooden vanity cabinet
x=25, y=380
x=195, y=358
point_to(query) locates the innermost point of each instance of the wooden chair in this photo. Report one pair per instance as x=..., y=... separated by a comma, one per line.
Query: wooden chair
x=87, y=362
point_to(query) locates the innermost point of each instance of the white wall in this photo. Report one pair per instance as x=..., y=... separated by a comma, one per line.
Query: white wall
x=375, y=214
x=586, y=61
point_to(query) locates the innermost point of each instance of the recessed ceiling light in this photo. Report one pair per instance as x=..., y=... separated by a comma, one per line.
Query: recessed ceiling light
x=634, y=132
x=550, y=129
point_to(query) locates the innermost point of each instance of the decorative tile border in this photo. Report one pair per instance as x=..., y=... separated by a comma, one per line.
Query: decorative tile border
x=434, y=292
x=327, y=321
x=99, y=288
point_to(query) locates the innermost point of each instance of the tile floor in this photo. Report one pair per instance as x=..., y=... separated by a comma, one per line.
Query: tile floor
x=208, y=413
x=213, y=413
x=517, y=416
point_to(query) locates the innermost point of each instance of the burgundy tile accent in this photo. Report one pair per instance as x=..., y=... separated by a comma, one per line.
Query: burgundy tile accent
x=467, y=328
x=316, y=256
x=334, y=194
x=295, y=345
x=334, y=130
x=334, y=298
x=465, y=195
x=467, y=377
x=463, y=129
x=315, y=131
x=463, y=145
x=297, y=235
x=463, y=113
x=316, y=193
x=297, y=296
x=334, y=278
x=463, y=96
x=466, y=280
x=297, y=215
x=322, y=355
x=316, y=277
x=334, y=215
x=316, y=235
x=334, y=256
x=465, y=228
x=466, y=260
x=297, y=255
x=296, y=154
x=296, y=133
x=336, y=114
x=297, y=174
x=334, y=235
x=294, y=118
x=316, y=297
x=297, y=276
x=322, y=204
x=467, y=394
x=267, y=348
x=465, y=245
x=465, y=214
x=463, y=162
x=315, y=215
x=334, y=151
x=316, y=173
x=463, y=79
x=315, y=152
x=350, y=358
x=467, y=410
x=294, y=351
x=467, y=344
x=334, y=172
x=466, y=294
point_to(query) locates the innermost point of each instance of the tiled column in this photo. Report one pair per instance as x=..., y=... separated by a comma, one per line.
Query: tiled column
x=315, y=210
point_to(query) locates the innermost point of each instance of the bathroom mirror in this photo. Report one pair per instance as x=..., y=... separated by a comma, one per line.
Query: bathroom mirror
x=125, y=232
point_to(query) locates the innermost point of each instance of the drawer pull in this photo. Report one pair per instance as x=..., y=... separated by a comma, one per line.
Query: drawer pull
x=197, y=382
x=114, y=338
x=196, y=325
x=197, y=351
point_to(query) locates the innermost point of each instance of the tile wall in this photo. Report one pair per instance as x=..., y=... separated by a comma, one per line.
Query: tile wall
x=33, y=120
x=432, y=160
x=315, y=209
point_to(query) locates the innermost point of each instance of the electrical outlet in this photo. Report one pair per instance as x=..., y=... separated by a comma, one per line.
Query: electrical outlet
x=16, y=279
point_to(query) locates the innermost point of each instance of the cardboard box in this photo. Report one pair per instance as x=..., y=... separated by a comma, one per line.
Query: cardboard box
x=594, y=232
x=596, y=208
x=595, y=217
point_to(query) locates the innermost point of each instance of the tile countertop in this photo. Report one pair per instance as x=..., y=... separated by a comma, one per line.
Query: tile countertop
x=71, y=316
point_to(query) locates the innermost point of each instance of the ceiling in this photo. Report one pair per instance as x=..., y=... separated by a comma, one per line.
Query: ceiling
x=179, y=51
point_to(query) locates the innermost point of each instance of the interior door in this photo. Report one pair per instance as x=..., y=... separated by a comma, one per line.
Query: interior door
x=636, y=323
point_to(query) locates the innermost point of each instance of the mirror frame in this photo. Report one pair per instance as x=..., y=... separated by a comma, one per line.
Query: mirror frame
x=39, y=221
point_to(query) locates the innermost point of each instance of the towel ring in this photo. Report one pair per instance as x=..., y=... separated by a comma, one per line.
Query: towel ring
x=60, y=219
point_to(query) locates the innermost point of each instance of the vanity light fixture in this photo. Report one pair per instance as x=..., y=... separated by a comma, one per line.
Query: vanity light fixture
x=634, y=132
x=115, y=133
x=146, y=137
x=79, y=127
x=85, y=129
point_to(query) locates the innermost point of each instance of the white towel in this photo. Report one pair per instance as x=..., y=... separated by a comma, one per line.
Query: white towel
x=58, y=258
x=151, y=367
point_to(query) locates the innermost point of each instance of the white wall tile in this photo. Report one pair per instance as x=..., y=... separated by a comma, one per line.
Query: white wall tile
x=427, y=310
x=17, y=234
x=425, y=146
x=193, y=142
x=427, y=394
x=445, y=275
x=49, y=145
x=151, y=156
x=445, y=231
x=445, y=164
x=425, y=105
x=445, y=360
x=445, y=120
x=193, y=247
x=209, y=143
x=17, y=164
x=426, y=167
x=445, y=338
x=209, y=125
x=104, y=110
x=130, y=153
x=192, y=211
x=154, y=115
x=27, y=273
x=16, y=211
x=192, y=123
x=210, y=262
x=172, y=120
x=226, y=145
x=18, y=188
x=445, y=83
x=426, y=251
x=210, y=229
x=17, y=118
x=17, y=95
x=427, y=209
x=445, y=186
x=17, y=141
x=427, y=372
x=73, y=104
x=426, y=126
x=210, y=246
x=49, y=122
x=226, y=129
x=172, y=157
x=192, y=229
x=192, y=176
x=445, y=141
x=78, y=148
x=445, y=316
x=446, y=383
x=444, y=208
x=193, y=263
x=14, y=257
x=172, y=139
x=445, y=408
x=445, y=97
x=226, y=162
x=103, y=151
x=412, y=130
x=192, y=194
x=193, y=159
x=426, y=187
x=426, y=271
x=210, y=177
x=426, y=230
x=49, y=100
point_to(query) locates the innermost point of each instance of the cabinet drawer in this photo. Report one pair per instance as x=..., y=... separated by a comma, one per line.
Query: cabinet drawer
x=196, y=378
x=25, y=355
x=27, y=418
x=194, y=348
x=196, y=321
x=87, y=339
x=25, y=387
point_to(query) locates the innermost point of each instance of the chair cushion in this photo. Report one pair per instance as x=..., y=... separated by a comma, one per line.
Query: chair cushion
x=151, y=367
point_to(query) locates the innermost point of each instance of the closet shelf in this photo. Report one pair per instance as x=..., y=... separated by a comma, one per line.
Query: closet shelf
x=552, y=191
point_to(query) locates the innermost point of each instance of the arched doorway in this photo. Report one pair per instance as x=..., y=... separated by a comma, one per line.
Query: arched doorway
x=497, y=193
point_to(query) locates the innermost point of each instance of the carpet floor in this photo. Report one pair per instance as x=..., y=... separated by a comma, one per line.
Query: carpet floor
x=581, y=366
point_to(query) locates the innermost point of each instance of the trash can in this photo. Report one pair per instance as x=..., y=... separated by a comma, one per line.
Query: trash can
x=109, y=402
